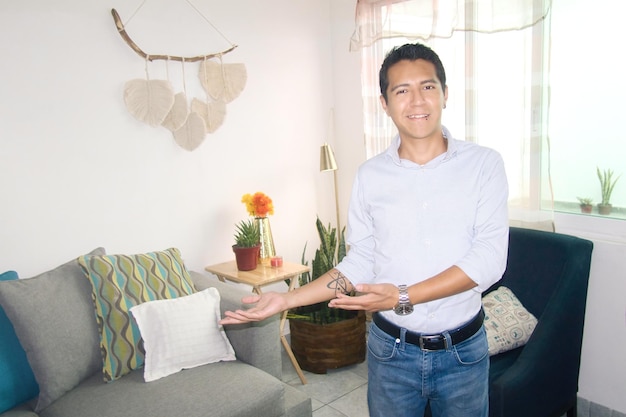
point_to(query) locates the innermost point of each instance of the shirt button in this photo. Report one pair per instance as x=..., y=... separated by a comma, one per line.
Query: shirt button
x=431, y=316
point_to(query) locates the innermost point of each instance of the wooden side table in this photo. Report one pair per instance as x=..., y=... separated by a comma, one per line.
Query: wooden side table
x=263, y=275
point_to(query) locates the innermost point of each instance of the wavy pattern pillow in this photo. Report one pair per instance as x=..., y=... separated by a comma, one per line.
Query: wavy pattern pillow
x=17, y=383
x=182, y=333
x=120, y=282
x=508, y=324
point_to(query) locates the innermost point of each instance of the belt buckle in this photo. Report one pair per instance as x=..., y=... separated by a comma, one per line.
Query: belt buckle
x=436, y=336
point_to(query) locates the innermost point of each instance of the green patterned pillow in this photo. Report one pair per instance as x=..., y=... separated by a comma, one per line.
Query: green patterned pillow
x=120, y=282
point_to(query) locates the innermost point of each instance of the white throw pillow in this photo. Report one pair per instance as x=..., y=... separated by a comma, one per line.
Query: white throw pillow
x=508, y=324
x=182, y=333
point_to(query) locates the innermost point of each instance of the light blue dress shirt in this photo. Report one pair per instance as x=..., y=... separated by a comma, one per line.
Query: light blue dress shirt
x=408, y=222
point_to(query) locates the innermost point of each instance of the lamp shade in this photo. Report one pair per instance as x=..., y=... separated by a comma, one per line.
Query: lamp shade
x=327, y=158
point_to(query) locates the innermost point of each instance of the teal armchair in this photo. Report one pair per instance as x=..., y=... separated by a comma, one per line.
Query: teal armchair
x=549, y=273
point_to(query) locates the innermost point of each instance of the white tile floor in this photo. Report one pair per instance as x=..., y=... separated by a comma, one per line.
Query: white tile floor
x=339, y=393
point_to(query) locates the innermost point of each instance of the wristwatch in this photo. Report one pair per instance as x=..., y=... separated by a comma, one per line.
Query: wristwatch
x=404, y=305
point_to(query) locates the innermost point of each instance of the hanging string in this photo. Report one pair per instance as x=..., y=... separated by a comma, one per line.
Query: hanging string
x=208, y=21
x=223, y=76
x=135, y=12
x=147, y=59
x=184, y=77
x=206, y=82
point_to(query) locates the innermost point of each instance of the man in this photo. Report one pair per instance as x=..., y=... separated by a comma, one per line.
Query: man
x=428, y=232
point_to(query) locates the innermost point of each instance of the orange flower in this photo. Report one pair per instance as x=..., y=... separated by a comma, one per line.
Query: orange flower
x=258, y=204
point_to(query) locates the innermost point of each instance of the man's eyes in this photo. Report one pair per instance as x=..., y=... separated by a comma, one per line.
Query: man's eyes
x=428, y=87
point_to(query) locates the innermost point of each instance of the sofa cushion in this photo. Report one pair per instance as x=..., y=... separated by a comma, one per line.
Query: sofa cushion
x=182, y=333
x=508, y=324
x=222, y=389
x=17, y=382
x=52, y=314
x=120, y=282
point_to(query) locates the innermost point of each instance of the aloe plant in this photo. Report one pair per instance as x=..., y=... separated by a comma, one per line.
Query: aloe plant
x=607, y=183
x=247, y=234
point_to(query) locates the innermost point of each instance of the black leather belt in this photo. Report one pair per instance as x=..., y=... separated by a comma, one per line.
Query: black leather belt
x=432, y=341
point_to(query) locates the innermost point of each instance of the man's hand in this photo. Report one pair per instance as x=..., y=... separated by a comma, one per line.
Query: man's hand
x=374, y=297
x=267, y=304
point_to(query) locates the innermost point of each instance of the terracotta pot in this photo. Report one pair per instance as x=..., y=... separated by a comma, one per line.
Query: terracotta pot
x=319, y=347
x=586, y=208
x=246, y=258
x=604, y=209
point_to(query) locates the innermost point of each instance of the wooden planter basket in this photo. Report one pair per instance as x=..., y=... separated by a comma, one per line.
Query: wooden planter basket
x=319, y=347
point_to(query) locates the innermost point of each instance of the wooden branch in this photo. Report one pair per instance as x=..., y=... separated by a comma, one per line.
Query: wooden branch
x=150, y=57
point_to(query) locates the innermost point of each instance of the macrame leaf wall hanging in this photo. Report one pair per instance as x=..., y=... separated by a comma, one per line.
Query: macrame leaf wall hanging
x=177, y=115
x=223, y=82
x=213, y=113
x=156, y=103
x=149, y=101
x=191, y=133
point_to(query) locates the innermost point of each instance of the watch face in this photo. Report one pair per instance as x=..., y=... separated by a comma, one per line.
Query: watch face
x=403, y=309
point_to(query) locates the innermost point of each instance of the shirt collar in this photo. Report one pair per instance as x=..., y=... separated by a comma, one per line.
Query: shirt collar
x=392, y=151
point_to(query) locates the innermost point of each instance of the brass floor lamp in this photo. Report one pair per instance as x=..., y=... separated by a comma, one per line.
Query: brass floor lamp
x=328, y=163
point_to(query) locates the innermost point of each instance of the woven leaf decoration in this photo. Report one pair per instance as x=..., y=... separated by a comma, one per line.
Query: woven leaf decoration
x=149, y=100
x=192, y=133
x=212, y=113
x=223, y=81
x=177, y=114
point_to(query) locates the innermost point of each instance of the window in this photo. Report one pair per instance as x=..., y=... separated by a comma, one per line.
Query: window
x=539, y=95
x=587, y=89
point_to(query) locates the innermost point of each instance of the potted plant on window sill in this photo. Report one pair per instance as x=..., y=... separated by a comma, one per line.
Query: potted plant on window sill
x=607, y=183
x=322, y=337
x=585, y=204
x=247, y=244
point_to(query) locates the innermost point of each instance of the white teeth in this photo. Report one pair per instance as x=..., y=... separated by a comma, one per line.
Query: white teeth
x=418, y=116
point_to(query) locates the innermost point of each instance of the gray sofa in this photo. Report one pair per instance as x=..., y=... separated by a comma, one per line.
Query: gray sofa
x=248, y=386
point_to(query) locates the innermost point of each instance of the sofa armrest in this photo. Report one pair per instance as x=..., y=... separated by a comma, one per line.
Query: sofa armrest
x=255, y=343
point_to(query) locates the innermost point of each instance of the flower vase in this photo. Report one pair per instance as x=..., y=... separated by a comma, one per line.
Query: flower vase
x=267, y=250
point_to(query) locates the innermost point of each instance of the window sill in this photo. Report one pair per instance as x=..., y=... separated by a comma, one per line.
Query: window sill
x=618, y=213
x=594, y=226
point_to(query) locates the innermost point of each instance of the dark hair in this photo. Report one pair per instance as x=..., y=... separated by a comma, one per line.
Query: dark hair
x=410, y=52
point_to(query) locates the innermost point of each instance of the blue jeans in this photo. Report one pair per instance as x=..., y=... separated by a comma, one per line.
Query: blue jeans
x=403, y=378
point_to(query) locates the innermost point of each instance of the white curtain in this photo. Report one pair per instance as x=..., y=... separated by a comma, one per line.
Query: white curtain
x=496, y=55
x=425, y=19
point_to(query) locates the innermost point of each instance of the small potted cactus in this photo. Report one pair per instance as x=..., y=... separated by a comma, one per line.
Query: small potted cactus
x=585, y=204
x=247, y=244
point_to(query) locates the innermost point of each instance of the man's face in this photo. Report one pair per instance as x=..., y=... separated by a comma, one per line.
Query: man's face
x=415, y=99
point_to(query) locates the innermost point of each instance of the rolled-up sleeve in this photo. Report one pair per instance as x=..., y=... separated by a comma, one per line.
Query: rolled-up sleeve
x=485, y=262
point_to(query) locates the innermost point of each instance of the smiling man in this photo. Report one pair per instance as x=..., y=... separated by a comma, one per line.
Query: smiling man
x=428, y=232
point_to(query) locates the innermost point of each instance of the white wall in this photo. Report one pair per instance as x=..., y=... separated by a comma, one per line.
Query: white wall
x=78, y=171
x=603, y=367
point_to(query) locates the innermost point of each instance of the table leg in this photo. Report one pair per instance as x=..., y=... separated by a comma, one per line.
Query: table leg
x=287, y=347
x=283, y=339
